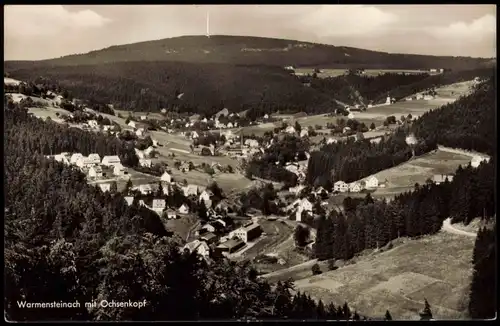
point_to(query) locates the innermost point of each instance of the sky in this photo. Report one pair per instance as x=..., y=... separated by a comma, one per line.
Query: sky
x=36, y=32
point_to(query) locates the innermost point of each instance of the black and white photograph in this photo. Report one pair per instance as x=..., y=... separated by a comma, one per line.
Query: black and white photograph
x=250, y=162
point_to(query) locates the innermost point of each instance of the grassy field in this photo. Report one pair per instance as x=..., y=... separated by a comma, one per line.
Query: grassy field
x=403, y=177
x=182, y=225
x=368, y=72
x=436, y=267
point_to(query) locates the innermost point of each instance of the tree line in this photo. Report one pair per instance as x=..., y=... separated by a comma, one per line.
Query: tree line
x=369, y=223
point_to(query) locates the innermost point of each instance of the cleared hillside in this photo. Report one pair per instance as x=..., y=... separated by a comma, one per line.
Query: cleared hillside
x=256, y=51
x=186, y=87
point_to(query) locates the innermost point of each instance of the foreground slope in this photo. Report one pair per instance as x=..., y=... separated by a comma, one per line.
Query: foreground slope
x=257, y=51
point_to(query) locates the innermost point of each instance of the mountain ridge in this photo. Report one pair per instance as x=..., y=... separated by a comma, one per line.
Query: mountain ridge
x=257, y=51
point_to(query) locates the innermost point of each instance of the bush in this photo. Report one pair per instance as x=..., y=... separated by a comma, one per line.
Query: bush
x=316, y=270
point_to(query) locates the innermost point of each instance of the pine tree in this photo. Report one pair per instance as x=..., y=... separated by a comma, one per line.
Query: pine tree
x=426, y=313
x=114, y=187
x=320, y=310
x=387, y=315
x=128, y=186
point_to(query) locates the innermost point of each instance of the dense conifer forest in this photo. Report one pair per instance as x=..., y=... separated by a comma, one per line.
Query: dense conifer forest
x=183, y=87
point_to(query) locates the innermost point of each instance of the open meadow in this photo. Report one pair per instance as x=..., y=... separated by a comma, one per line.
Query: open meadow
x=403, y=177
x=436, y=267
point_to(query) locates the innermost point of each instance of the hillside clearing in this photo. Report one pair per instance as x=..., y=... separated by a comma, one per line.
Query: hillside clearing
x=436, y=267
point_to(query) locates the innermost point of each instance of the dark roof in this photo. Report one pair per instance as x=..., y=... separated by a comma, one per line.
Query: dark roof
x=208, y=236
x=231, y=243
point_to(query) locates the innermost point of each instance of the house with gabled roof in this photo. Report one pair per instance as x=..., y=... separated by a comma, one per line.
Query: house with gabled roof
x=110, y=160
x=184, y=209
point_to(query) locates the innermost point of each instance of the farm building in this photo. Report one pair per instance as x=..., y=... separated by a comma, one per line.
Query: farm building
x=331, y=141
x=190, y=190
x=247, y=233
x=110, y=160
x=290, y=130
x=205, y=197
x=171, y=214
x=84, y=163
x=304, y=133
x=209, y=237
x=139, y=153
x=159, y=204
x=251, y=143
x=340, y=186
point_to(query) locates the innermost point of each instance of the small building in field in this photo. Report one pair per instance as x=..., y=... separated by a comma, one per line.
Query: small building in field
x=477, y=160
x=171, y=214
x=440, y=178
x=371, y=182
x=119, y=170
x=355, y=187
x=145, y=189
x=340, y=186
x=290, y=130
x=190, y=190
x=105, y=187
x=111, y=160
x=131, y=124
x=247, y=233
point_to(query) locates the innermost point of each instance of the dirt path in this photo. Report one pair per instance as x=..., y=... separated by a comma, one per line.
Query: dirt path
x=447, y=227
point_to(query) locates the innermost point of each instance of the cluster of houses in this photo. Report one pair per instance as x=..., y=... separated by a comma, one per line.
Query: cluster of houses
x=92, y=165
x=219, y=238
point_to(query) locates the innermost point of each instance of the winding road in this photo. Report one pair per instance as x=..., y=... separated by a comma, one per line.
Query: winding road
x=447, y=227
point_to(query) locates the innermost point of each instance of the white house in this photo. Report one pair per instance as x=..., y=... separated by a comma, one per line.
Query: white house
x=184, y=209
x=119, y=170
x=148, y=152
x=194, y=135
x=105, y=187
x=292, y=168
x=350, y=116
x=145, y=189
x=95, y=158
x=304, y=133
x=84, y=162
x=371, y=182
x=139, y=132
x=331, y=141
x=131, y=124
x=346, y=129
x=304, y=206
x=75, y=157
x=440, y=178
x=388, y=100
x=171, y=214
x=266, y=116
x=143, y=117
x=230, y=125
x=355, y=187
x=95, y=172
x=159, y=204
x=205, y=197
x=63, y=158
x=340, y=186
x=129, y=200
x=477, y=160
x=145, y=162
x=166, y=177
x=110, y=160
x=290, y=130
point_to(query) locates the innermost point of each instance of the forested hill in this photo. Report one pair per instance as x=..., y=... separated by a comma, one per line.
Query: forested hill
x=185, y=87
x=467, y=123
x=256, y=51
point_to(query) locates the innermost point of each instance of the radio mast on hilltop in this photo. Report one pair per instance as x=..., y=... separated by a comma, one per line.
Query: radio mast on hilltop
x=208, y=24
